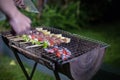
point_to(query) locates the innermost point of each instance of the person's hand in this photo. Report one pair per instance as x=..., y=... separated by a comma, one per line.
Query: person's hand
x=20, y=23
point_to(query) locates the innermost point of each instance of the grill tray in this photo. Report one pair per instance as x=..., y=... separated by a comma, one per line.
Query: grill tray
x=79, y=45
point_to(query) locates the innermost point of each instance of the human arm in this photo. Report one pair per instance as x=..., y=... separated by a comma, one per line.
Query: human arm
x=19, y=22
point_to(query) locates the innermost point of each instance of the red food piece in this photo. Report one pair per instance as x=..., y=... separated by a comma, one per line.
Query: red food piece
x=33, y=36
x=40, y=39
x=51, y=42
x=55, y=49
x=58, y=54
x=49, y=50
x=64, y=51
x=64, y=57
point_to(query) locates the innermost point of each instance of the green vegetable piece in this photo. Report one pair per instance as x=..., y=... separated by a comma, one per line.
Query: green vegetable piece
x=38, y=42
x=25, y=37
x=32, y=41
x=45, y=44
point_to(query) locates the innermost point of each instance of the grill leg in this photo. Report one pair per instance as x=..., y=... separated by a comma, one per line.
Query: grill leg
x=34, y=68
x=23, y=68
x=21, y=64
x=56, y=75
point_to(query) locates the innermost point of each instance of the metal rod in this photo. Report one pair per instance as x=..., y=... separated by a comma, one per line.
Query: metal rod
x=33, y=70
x=56, y=75
x=21, y=64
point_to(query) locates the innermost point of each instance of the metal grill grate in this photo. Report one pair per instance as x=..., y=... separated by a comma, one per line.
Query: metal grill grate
x=79, y=45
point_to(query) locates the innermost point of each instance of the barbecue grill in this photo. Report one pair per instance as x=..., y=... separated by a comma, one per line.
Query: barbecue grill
x=83, y=49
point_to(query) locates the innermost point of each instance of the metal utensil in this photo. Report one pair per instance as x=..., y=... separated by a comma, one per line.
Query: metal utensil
x=30, y=6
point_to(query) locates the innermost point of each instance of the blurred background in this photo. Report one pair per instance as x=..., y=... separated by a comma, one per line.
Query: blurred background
x=96, y=19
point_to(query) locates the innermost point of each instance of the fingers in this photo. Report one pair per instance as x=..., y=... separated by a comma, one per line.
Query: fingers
x=28, y=27
x=29, y=24
x=20, y=3
x=21, y=24
x=24, y=28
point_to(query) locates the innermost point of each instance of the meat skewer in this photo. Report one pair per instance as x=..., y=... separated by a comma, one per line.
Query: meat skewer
x=40, y=36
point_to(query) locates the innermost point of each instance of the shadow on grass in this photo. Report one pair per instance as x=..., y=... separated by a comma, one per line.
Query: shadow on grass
x=104, y=75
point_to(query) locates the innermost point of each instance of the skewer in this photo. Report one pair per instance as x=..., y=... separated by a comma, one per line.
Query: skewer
x=11, y=37
x=32, y=46
x=23, y=42
x=16, y=39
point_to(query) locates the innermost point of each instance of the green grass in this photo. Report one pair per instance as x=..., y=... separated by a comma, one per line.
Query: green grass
x=10, y=70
